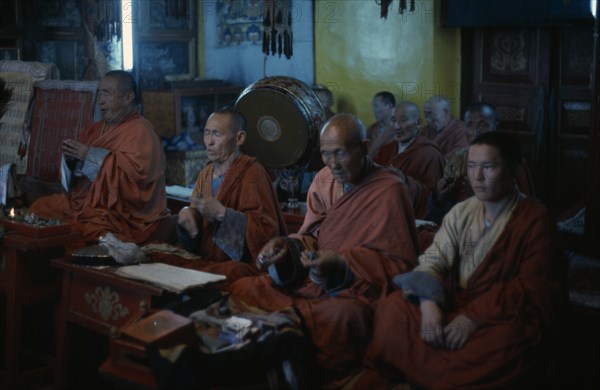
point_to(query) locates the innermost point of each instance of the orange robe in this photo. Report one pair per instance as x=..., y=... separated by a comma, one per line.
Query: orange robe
x=248, y=190
x=372, y=226
x=422, y=162
x=128, y=196
x=517, y=293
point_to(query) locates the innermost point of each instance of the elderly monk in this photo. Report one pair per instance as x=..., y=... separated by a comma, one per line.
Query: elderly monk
x=114, y=173
x=234, y=209
x=454, y=187
x=359, y=230
x=442, y=128
x=418, y=158
x=478, y=310
x=380, y=132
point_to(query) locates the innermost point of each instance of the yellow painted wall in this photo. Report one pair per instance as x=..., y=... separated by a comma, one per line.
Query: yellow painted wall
x=358, y=54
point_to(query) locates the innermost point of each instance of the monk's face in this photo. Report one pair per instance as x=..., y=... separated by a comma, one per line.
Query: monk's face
x=113, y=102
x=436, y=114
x=478, y=122
x=344, y=157
x=220, y=139
x=381, y=110
x=490, y=176
x=406, y=124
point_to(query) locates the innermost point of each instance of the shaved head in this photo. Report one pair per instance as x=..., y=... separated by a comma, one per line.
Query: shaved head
x=347, y=127
x=411, y=110
x=344, y=147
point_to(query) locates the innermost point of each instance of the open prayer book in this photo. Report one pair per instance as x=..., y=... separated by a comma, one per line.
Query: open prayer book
x=175, y=279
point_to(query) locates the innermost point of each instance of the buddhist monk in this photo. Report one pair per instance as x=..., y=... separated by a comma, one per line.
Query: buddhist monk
x=418, y=158
x=359, y=230
x=380, y=132
x=234, y=210
x=113, y=173
x=442, y=128
x=478, y=309
x=454, y=187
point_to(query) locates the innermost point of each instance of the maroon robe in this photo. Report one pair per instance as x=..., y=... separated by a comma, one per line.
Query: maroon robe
x=422, y=162
x=372, y=226
x=450, y=138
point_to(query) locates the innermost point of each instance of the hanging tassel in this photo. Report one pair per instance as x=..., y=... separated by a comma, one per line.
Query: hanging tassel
x=385, y=5
x=273, y=42
x=267, y=27
x=265, y=43
x=279, y=44
x=412, y=5
x=402, y=6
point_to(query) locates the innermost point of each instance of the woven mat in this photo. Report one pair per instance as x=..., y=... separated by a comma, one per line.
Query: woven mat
x=584, y=281
x=11, y=124
x=58, y=114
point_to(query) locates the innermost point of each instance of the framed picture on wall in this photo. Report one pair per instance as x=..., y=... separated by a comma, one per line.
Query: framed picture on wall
x=193, y=107
x=158, y=59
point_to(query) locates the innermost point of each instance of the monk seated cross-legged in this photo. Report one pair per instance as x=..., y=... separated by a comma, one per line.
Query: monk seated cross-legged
x=234, y=209
x=114, y=172
x=358, y=232
x=484, y=305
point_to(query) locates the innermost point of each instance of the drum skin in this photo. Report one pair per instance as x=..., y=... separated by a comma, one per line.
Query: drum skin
x=283, y=118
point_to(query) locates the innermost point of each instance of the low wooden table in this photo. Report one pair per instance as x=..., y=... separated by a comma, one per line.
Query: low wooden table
x=98, y=300
x=26, y=277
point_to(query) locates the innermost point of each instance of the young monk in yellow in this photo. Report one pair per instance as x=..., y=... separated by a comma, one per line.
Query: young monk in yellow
x=477, y=310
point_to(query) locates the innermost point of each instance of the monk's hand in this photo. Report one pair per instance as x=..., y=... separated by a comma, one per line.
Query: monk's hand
x=75, y=149
x=444, y=187
x=272, y=252
x=324, y=261
x=458, y=331
x=431, y=323
x=209, y=207
x=188, y=219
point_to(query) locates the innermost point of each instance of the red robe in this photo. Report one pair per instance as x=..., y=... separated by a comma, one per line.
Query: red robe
x=246, y=188
x=450, y=138
x=422, y=162
x=128, y=196
x=517, y=293
x=372, y=226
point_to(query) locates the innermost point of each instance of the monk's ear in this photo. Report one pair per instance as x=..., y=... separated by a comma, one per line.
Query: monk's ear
x=130, y=97
x=240, y=138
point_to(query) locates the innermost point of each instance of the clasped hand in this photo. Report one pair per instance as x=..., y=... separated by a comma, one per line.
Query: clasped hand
x=325, y=261
x=453, y=336
x=75, y=149
x=272, y=252
x=207, y=207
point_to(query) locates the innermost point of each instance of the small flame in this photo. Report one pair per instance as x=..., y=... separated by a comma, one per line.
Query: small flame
x=12, y=213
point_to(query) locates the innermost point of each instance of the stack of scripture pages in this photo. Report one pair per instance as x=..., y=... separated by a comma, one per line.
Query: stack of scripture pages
x=175, y=279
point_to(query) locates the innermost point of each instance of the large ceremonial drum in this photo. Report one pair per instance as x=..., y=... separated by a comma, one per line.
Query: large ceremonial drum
x=283, y=117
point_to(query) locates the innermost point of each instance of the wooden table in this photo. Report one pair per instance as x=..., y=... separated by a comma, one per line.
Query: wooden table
x=98, y=300
x=26, y=277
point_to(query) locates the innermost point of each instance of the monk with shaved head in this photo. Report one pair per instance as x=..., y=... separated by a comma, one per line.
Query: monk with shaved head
x=442, y=128
x=417, y=157
x=359, y=229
